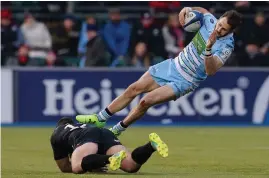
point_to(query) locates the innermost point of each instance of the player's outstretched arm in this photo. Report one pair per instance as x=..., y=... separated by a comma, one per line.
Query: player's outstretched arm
x=212, y=63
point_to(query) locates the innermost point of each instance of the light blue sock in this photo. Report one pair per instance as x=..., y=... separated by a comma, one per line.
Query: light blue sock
x=103, y=115
x=118, y=127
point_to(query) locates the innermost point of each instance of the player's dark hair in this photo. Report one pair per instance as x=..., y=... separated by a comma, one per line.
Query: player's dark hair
x=65, y=120
x=234, y=18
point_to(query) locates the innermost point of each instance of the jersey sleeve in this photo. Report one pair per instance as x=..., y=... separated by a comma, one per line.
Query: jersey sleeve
x=209, y=21
x=59, y=152
x=224, y=52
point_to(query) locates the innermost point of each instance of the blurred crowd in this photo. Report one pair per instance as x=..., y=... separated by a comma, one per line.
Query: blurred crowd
x=117, y=42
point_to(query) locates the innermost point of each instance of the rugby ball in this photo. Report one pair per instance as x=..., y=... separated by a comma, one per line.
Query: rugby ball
x=193, y=21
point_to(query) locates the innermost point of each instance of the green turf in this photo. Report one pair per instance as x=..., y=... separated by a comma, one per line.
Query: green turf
x=194, y=152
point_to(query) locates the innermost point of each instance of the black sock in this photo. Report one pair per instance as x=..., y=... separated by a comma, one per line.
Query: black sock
x=123, y=125
x=108, y=112
x=94, y=161
x=141, y=154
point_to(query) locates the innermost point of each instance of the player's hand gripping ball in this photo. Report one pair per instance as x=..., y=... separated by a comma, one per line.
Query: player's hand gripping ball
x=193, y=21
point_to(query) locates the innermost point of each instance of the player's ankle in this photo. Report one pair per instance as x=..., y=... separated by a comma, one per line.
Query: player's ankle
x=118, y=127
x=104, y=115
x=123, y=125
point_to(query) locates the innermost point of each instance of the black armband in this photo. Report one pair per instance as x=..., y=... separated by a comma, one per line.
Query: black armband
x=208, y=52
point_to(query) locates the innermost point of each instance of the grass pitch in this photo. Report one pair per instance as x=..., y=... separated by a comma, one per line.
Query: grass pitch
x=193, y=152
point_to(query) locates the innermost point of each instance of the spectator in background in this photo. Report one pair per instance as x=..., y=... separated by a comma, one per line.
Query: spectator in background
x=96, y=51
x=256, y=40
x=147, y=30
x=65, y=37
x=243, y=7
x=83, y=37
x=117, y=34
x=9, y=35
x=22, y=56
x=141, y=57
x=173, y=36
x=51, y=59
x=36, y=37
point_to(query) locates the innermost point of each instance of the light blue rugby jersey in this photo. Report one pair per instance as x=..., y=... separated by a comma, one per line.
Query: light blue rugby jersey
x=190, y=62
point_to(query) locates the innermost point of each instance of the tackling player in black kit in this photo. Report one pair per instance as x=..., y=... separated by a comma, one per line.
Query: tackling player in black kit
x=80, y=148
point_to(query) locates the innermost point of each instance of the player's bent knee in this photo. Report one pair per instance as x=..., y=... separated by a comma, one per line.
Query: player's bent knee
x=131, y=168
x=133, y=90
x=129, y=165
x=76, y=169
x=146, y=102
x=76, y=166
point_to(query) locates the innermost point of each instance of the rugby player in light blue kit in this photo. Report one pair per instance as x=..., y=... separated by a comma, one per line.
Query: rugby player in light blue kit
x=203, y=56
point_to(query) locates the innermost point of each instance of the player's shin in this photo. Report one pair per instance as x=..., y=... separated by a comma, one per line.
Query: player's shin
x=94, y=161
x=135, y=114
x=117, y=104
x=121, y=102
